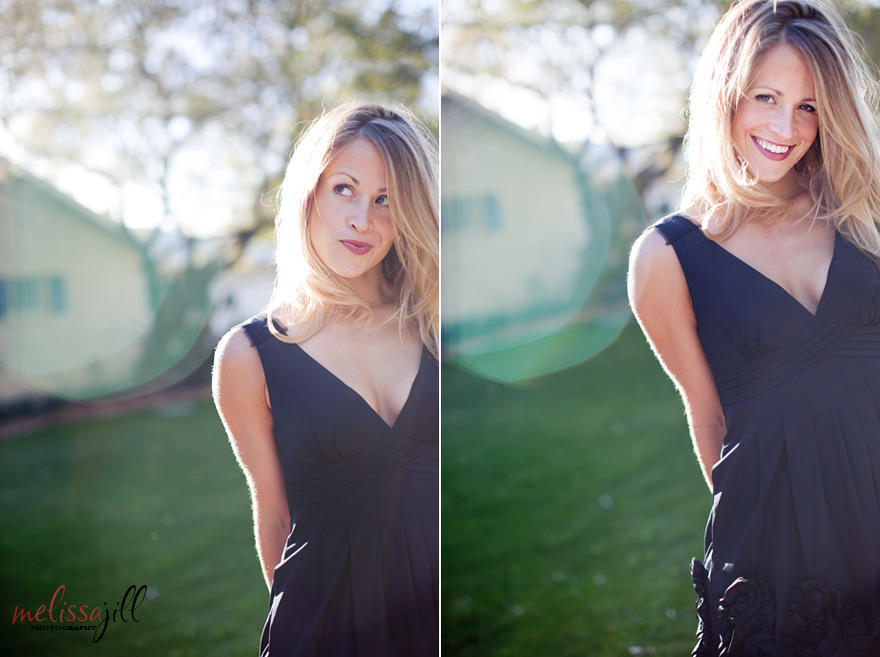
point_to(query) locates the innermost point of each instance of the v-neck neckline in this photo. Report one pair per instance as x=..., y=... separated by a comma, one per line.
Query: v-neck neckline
x=781, y=288
x=363, y=400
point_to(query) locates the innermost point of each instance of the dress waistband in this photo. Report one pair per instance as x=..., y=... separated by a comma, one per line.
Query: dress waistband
x=817, y=342
x=345, y=476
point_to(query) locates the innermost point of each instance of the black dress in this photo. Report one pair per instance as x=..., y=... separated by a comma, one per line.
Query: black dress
x=792, y=561
x=359, y=572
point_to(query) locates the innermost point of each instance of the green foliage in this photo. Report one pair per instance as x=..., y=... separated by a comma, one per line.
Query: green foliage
x=864, y=19
x=555, y=48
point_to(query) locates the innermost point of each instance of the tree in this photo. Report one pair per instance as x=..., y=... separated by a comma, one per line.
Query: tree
x=124, y=87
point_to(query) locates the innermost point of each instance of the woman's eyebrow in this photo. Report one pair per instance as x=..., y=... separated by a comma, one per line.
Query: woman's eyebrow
x=355, y=180
x=346, y=174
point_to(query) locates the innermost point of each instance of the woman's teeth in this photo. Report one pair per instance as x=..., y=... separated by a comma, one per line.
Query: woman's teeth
x=773, y=148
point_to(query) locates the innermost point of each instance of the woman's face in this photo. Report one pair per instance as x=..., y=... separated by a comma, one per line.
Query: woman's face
x=776, y=123
x=350, y=226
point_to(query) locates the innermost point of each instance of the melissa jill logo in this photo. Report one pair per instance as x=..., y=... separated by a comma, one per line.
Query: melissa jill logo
x=97, y=617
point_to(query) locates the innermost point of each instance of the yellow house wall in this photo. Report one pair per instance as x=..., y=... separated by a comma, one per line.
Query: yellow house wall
x=534, y=257
x=106, y=310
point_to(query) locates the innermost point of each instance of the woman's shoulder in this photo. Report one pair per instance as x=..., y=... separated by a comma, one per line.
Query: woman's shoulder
x=651, y=257
x=654, y=267
x=256, y=329
x=236, y=361
x=650, y=247
x=676, y=225
x=244, y=336
x=239, y=346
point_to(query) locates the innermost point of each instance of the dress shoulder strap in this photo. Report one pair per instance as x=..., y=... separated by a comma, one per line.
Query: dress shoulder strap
x=676, y=227
x=257, y=329
x=275, y=356
x=704, y=273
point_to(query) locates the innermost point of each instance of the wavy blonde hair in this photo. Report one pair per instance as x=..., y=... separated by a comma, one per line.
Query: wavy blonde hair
x=841, y=171
x=307, y=293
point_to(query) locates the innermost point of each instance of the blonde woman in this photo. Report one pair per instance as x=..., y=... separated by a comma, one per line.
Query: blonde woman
x=761, y=299
x=330, y=397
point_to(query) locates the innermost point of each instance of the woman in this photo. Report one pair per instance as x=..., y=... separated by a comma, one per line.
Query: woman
x=761, y=300
x=330, y=397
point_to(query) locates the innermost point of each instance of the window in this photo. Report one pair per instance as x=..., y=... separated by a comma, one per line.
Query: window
x=481, y=212
x=57, y=294
x=33, y=293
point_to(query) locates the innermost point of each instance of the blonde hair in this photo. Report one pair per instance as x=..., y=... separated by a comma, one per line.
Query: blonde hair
x=307, y=293
x=841, y=171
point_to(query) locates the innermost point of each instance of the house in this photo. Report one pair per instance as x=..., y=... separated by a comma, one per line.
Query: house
x=244, y=289
x=531, y=245
x=74, y=295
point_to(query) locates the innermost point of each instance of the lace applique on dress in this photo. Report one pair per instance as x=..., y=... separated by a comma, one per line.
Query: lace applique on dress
x=815, y=623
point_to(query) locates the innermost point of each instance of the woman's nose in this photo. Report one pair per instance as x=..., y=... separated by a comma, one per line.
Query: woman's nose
x=783, y=123
x=359, y=218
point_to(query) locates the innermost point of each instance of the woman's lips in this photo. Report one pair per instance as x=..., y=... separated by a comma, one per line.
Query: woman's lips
x=356, y=247
x=772, y=154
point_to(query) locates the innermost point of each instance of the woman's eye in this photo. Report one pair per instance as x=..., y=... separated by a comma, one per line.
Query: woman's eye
x=764, y=98
x=382, y=200
x=808, y=108
x=343, y=190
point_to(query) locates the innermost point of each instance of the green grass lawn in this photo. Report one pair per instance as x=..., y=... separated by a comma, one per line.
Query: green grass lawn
x=571, y=509
x=154, y=498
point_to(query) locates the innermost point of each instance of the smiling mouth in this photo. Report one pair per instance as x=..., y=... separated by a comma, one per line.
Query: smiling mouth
x=771, y=149
x=356, y=247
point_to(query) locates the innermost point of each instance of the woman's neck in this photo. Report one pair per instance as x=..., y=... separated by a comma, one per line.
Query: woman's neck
x=371, y=287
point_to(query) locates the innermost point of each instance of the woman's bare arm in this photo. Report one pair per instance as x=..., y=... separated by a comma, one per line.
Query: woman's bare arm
x=659, y=297
x=239, y=393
